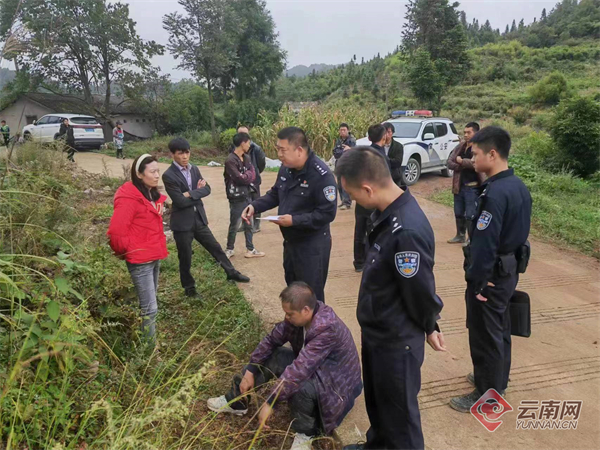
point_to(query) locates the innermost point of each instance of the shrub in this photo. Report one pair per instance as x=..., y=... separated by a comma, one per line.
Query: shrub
x=576, y=133
x=540, y=146
x=245, y=112
x=226, y=138
x=550, y=89
x=520, y=114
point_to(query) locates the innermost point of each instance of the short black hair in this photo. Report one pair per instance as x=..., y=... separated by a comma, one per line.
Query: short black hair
x=295, y=136
x=390, y=126
x=376, y=132
x=298, y=295
x=473, y=125
x=179, y=143
x=489, y=138
x=3, y=121
x=151, y=195
x=343, y=125
x=362, y=163
x=240, y=138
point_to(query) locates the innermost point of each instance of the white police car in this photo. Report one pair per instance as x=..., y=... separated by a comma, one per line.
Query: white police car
x=428, y=142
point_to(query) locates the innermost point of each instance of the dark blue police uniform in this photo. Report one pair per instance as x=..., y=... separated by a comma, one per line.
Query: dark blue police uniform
x=397, y=307
x=309, y=196
x=501, y=228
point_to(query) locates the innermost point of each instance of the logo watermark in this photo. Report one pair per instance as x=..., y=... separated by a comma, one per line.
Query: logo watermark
x=549, y=414
x=489, y=408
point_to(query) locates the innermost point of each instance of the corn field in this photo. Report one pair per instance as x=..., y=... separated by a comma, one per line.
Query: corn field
x=320, y=123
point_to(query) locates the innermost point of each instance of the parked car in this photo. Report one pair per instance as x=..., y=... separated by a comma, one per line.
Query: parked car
x=88, y=133
x=427, y=141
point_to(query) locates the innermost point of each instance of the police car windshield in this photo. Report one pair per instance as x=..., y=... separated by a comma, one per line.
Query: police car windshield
x=406, y=129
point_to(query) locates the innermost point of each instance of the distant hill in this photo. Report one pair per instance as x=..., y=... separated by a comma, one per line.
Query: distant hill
x=302, y=71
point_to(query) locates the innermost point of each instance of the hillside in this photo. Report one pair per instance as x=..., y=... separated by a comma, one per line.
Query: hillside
x=303, y=71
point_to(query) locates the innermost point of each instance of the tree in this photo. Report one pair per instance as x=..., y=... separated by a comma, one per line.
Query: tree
x=259, y=57
x=118, y=47
x=543, y=16
x=513, y=27
x=203, y=41
x=424, y=79
x=82, y=46
x=434, y=25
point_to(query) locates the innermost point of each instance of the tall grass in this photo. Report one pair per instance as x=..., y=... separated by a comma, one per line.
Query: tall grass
x=321, y=124
x=74, y=373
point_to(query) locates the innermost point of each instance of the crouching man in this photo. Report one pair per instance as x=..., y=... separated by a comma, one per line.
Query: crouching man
x=319, y=376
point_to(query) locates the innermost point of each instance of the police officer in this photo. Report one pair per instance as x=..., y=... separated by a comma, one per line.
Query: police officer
x=497, y=237
x=305, y=192
x=397, y=304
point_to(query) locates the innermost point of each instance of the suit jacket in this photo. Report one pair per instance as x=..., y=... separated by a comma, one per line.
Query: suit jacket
x=396, y=155
x=185, y=208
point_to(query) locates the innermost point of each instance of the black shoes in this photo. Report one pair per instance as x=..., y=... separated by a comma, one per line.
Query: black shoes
x=236, y=276
x=354, y=447
x=358, y=269
x=191, y=292
x=465, y=403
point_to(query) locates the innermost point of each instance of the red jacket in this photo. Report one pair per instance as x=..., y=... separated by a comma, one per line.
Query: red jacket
x=136, y=227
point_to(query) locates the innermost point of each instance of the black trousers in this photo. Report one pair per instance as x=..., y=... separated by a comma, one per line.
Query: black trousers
x=308, y=260
x=256, y=218
x=489, y=333
x=205, y=238
x=304, y=405
x=362, y=224
x=392, y=380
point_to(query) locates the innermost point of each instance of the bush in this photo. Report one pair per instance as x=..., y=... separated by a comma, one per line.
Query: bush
x=226, y=138
x=540, y=146
x=576, y=133
x=245, y=112
x=520, y=114
x=550, y=89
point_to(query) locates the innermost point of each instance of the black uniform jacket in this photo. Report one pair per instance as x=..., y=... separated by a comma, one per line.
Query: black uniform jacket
x=397, y=302
x=308, y=195
x=504, y=219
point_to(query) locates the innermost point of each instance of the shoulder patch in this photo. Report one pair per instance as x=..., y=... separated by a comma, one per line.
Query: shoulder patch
x=484, y=221
x=330, y=193
x=407, y=263
x=321, y=170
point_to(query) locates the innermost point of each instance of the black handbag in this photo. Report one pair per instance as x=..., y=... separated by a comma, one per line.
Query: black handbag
x=520, y=314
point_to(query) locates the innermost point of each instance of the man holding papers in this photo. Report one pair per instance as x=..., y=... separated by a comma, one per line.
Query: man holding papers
x=305, y=194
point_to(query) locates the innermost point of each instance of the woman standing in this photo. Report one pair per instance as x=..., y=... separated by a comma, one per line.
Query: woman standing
x=136, y=235
x=66, y=133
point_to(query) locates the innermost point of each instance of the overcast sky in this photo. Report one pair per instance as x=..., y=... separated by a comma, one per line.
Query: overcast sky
x=332, y=31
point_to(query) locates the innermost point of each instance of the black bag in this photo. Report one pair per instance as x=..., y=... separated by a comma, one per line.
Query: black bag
x=523, y=254
x=520, y=314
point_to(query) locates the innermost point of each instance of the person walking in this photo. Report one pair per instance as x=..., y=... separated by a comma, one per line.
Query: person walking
x=465, y=184
x=136, y=235
x=5, y=130
x=186, y=188
x=118, y=139
x=344, y=142
x=66, y=133
x=239, y=182
x=305, y=194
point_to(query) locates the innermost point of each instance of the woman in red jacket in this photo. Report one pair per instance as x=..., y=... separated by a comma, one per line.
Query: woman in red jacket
x=136, y=235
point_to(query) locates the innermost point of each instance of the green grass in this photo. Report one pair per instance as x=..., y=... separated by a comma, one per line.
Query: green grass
x=74, y=371
x=566, y=209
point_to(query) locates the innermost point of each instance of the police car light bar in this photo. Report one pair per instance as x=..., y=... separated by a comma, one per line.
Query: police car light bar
x=413, y=113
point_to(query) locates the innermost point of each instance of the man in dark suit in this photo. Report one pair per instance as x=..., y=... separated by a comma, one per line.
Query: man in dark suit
x=395, y=152
x=185, y=186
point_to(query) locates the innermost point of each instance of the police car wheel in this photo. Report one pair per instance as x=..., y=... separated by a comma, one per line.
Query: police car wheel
x=447, y=173
x=412, y=172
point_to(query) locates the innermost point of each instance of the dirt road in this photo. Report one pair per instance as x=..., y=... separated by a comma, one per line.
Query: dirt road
x=561, y=360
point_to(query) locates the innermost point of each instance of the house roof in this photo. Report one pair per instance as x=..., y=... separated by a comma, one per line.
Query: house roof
x=77, y=105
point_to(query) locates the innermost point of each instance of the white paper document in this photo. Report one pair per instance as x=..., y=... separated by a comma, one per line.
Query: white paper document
x=270, y=218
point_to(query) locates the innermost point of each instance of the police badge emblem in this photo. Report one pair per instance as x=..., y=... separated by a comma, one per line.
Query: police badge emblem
x=407, y=263
x=484, y=221
x=329, y=192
